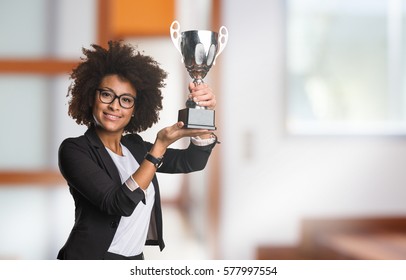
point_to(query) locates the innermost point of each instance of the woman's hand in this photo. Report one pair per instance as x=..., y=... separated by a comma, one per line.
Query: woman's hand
x=203, y=95
x=171, y=134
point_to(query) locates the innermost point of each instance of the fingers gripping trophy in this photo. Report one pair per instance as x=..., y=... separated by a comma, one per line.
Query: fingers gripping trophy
x=199, y=50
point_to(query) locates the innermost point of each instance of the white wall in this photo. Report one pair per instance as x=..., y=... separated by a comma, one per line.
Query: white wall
x=271, y=181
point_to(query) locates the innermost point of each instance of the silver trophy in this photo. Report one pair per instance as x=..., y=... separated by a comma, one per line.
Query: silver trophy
x=199, y=50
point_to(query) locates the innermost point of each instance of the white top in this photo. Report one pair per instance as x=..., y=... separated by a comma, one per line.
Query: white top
x=129, y=239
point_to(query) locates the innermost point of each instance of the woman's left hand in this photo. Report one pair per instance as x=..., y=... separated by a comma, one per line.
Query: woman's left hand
x=203, y=95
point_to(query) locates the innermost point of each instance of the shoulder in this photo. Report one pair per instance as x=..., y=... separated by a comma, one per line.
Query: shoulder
x=133, y=137
x=74, y=141
x=88, y=139
x=71, y=147
x=75, y=150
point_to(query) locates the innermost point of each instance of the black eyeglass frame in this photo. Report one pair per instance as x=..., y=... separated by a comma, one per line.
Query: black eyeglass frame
x=100, y=90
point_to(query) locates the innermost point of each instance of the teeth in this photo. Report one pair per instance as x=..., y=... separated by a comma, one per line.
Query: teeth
x=112, y=117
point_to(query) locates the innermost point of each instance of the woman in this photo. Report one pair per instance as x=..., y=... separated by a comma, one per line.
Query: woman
x=110, y=169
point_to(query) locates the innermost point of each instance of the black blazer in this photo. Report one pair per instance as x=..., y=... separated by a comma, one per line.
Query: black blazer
x=100, y=198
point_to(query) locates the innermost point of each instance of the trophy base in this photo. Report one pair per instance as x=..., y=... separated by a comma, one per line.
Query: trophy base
x=197, y=118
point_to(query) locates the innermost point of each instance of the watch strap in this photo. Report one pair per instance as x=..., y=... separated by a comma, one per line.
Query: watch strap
x=157, y=162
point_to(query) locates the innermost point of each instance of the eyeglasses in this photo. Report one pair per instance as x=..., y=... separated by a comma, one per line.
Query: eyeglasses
x=126, y=101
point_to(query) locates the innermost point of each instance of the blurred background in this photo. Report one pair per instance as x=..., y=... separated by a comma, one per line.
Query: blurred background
x=311, y=115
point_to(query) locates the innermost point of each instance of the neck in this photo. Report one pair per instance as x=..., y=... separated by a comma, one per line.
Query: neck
x=110, y=140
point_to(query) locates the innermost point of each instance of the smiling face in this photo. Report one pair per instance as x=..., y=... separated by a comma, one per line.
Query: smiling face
x=112, y=118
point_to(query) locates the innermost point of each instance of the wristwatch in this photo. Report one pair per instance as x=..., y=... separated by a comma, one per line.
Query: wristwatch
x=157, y=162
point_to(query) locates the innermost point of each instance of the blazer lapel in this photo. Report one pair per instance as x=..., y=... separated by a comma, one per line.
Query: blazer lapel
x=103, y=155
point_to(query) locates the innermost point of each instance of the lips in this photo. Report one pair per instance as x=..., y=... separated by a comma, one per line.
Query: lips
x=111, y=117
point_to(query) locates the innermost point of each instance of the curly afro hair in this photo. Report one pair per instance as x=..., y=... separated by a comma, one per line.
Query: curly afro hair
x=142, y=71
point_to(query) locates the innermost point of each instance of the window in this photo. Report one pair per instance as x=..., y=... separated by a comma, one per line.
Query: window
x=345, y=67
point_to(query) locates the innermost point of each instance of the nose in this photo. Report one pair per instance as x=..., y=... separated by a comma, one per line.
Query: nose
x=115, y=104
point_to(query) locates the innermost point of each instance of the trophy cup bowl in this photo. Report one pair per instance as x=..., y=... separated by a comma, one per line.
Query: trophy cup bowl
x=199, y=50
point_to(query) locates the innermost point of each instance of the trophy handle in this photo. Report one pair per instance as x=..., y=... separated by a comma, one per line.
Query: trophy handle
x=222, y=41
x=175, y=36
